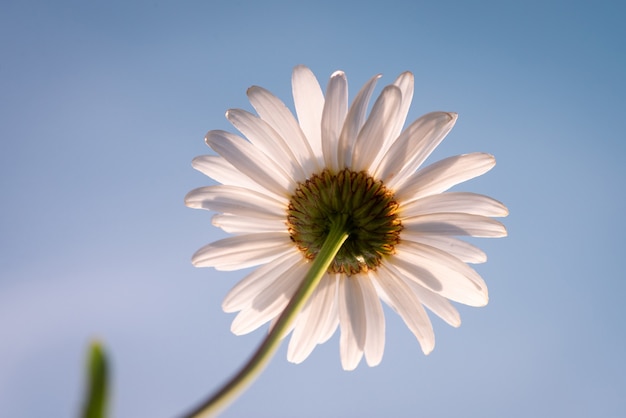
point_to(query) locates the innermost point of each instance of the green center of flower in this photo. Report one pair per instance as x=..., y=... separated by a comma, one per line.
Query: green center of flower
x=369, y=211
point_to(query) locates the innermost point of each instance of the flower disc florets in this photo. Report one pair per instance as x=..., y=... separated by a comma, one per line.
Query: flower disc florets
x=367, y=206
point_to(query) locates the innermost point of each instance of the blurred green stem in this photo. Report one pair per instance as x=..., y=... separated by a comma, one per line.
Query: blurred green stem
x=95, y=405
x=221, y=399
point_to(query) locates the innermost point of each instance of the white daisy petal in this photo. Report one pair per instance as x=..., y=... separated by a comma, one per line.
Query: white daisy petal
x=271, y=301
x=282, y=289
x=244, y=292
x=310, y=328
x=455, y=202
x=234, y=224
x=441, y=273
x=223, y=172
x=247, y=159
x=462, y=250
x=352, y=322
x=331, y=321
x=439, y=305
x=354, y=122
x=267, y=140
x=335, y=110
x=404, y=82
x=276, y=114
x=455, y=224
x=235, y=200
x=242, y=251
x=440, y=176
x=309, y=102
x=375, y=323
x=407, y=305
x=413, y=146
x=377, y=128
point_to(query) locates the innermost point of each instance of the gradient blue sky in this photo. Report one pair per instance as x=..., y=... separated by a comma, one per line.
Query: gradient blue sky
x=104, y=104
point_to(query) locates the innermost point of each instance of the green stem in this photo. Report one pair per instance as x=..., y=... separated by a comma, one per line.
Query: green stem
x=220, y=400
x=96, y=398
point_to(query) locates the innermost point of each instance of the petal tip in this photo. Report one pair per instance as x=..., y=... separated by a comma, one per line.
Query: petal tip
x=196, y=160
x=235, y=329
x=190, y=202
x=349, y=367
x=195, y=262
x=252, y=89
x=373, y=362
x=428, y=348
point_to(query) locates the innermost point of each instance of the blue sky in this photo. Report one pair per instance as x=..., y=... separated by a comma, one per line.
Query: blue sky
x=104, y=104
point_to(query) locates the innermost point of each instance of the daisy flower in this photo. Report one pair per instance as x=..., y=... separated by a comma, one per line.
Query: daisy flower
x=284, y=182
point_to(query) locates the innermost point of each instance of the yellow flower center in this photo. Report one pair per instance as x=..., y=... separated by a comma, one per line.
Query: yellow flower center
x=370, y=209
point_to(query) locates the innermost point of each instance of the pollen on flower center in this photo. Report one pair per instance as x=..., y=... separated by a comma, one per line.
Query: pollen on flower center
x=373, y=225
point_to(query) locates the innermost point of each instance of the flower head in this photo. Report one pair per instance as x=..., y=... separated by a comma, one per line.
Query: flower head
x=289, y=180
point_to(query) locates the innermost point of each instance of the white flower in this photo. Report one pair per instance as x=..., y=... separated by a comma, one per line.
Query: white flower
x=280, y=186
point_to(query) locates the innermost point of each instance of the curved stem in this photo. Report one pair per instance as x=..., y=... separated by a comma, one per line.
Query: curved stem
x=220, y=400
x=97, y=393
